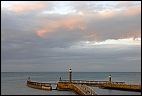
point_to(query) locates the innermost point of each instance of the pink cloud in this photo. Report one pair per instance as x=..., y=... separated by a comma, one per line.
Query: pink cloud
x=133, y=11
x=41, y=32
x=28, y=7
x=67, y=23
x=80, y=22
x=109, y=13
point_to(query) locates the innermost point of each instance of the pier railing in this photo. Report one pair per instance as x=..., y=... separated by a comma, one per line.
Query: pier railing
x=92, y=82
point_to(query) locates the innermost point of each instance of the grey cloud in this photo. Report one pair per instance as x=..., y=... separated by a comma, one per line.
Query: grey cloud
x=76, y=57
x=116, y=28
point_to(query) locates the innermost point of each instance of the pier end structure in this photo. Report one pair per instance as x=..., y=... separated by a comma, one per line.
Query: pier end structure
x=109, y=78
x=70, y=75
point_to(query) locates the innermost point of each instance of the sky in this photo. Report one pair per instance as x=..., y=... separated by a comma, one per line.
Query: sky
x=87, y=36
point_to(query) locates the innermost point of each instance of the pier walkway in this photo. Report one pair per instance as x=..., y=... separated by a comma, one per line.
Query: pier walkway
x=79, y=89
x=86, y=89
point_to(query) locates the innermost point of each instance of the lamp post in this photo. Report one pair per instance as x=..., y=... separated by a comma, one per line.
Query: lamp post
x=70, y=75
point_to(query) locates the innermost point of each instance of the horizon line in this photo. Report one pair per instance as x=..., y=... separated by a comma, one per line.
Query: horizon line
x=67, y=71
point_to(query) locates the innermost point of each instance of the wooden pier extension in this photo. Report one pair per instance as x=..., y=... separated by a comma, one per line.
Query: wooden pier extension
x=37, y=85
x=77, y=88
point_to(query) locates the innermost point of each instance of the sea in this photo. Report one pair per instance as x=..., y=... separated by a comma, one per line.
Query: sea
x=14, y=83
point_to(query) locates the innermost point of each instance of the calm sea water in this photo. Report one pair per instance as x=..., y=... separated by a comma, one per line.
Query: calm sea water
x=14, y=83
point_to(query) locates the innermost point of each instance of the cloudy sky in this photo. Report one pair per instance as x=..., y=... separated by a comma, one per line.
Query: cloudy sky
x=90, y=36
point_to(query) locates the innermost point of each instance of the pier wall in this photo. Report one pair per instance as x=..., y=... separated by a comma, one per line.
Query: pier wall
x=122, y=87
